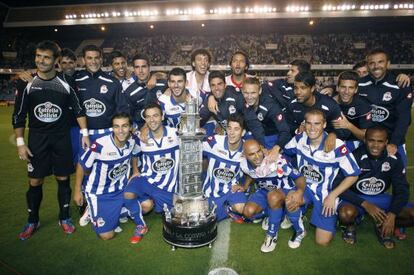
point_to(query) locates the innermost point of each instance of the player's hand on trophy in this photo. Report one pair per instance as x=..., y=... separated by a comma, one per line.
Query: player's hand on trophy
x=24, y=152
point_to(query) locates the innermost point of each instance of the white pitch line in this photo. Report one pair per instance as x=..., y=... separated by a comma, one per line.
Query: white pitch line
x=220, y=249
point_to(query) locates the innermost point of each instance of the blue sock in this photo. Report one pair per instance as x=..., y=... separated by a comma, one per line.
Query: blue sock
x=135, y=210
x=296, y=220
x=275, y=217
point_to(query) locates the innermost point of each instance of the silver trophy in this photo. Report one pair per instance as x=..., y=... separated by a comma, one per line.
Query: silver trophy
x=191, y=222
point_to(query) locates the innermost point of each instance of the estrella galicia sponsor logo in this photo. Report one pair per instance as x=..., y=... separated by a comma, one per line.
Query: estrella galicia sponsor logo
x=47, y=112
x=118, y=172
x=94, y=107
x=379, y=114
x=311, y=174
x=163, y=165
x=223, y=174
x=370, y=186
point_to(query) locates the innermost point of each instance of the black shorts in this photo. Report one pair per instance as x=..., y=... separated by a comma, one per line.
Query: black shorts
x=52, y=154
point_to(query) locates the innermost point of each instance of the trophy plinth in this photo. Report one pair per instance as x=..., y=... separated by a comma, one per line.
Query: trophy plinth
x=191, y=222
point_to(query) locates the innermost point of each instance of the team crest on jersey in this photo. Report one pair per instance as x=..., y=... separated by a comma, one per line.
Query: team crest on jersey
x=47, y=112
x=385, y=167
x=232, y=109
x=94, y=107
x=379, y=114
x=260, y=116
x=30, y=167
x=104, y=89
x=343, y=150
x=118, y=172
x=387, y=96
x=311, y=174
x=370, y=186
x=223, y=174
x=163, y=165
x=351, y=111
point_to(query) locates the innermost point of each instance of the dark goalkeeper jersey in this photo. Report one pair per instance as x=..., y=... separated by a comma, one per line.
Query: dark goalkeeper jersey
x=48, y=103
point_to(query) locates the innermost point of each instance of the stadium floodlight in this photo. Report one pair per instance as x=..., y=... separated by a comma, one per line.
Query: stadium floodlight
x=411, y=6
x=274, y=9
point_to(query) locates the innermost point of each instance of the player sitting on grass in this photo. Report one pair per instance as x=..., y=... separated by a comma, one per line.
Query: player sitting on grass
x=277, y=183
x=379, y=171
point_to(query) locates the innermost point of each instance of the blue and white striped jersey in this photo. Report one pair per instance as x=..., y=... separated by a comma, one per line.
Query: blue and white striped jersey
x=318, y=167
x=284, y=175
x=160, y=158
x=172, y=110
x=109, y=165
x=223, y=166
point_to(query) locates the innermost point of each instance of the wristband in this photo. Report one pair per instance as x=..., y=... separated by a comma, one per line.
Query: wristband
x=20, y=141
x=84, y=132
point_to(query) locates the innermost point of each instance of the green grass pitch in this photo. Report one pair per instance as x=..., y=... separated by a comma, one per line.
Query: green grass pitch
x=52, y=252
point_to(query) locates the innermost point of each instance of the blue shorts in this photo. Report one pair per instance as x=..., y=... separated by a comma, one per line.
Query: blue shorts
x=104, y=210
x=93, y=135
x=382, y=201
x=75, y=137
x=260, y=197
x=146, y=191
x=228, y=199
x=317, y=219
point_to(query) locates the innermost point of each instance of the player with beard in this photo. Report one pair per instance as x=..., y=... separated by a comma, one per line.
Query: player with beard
x=120, y=69
x=158, y=175
x=173, y=105
x=391, y=105
x=239, y=64
x=281, y=90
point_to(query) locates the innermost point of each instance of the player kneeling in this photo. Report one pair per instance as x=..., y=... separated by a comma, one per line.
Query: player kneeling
x=276, y=183
x=222, y=156
x=379, y=171
x=104, y=192
x=157, y=182
x=320, y=169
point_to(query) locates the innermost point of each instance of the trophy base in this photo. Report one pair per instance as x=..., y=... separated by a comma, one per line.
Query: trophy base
x=190, y=235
